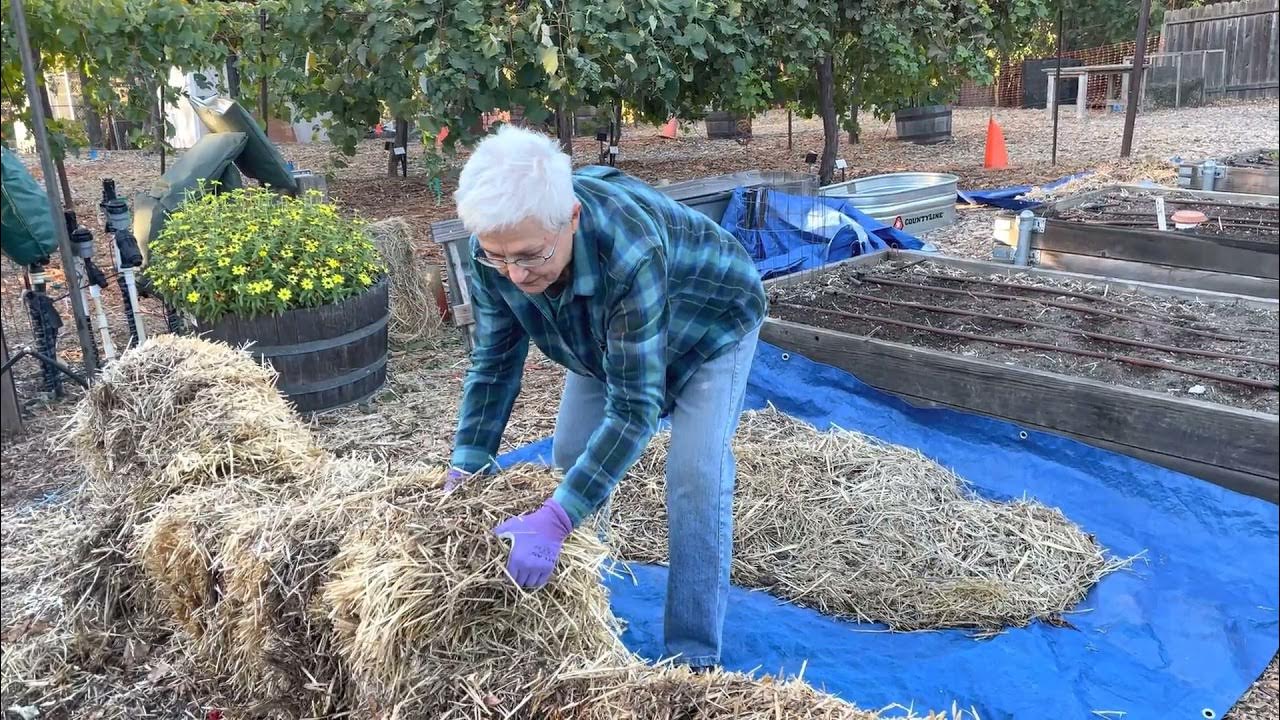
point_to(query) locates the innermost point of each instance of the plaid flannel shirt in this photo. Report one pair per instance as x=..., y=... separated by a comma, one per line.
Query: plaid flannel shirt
x=655, y=290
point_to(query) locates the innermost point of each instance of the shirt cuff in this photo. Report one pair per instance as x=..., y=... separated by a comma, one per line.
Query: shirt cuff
x=575, y=506
x=471, y=460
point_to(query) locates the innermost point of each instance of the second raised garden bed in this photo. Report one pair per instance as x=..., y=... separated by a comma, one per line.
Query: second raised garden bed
x=1114, y=232
x=1184, y=379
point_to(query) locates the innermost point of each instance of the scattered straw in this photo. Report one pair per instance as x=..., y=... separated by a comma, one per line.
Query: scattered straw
x=415, y=316
x=349, y=588
x=851, y=526
x=1123, y=172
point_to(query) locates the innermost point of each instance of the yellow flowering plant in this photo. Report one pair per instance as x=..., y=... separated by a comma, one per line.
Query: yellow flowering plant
x=252, y=252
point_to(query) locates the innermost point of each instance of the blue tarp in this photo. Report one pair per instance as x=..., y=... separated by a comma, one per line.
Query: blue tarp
x=1007, y=197
x=793, y=233
x=1186, y=630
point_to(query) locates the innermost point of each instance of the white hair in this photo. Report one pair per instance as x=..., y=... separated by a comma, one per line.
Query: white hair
x=514, y=175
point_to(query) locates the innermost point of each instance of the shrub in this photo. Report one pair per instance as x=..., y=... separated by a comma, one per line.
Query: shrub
x=251, y=252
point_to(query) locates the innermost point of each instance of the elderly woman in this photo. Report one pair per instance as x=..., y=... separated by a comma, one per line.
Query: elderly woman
x=654, y=309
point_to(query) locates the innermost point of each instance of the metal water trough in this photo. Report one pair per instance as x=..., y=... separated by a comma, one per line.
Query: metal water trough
x=912, y=201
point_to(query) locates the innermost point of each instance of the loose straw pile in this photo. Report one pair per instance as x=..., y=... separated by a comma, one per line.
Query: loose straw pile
x=1122, y=172
x=415, y=316
x=306, y=585
x=840, y=522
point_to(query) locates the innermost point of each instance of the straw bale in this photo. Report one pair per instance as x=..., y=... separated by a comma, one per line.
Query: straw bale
x=381, y=595
x=414, y=314
x=179, y=412
x=431, y=623
x=855, y=527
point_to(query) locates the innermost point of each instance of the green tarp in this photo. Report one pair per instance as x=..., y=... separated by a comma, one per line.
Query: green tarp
x=27, y=233
x=260, y=159
x=209, y=159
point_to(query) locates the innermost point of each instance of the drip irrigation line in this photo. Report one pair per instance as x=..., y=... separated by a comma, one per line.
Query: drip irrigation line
x=1126, y=359
x=1061, y=305
x=1150, y=224
x=1060, y=328
x=1047, y=291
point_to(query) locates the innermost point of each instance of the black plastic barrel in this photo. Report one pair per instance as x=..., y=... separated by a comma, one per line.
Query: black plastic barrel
x=727, y=126
x=327, y=356
x=928, y=125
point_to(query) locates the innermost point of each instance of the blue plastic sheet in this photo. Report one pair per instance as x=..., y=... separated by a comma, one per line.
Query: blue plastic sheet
x=1007, y=197
x=1187, y=629
x=790, y=233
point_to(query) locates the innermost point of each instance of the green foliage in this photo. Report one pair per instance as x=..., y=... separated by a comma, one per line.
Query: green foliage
x=124, y=47
x=250, y=252
x=448, y=63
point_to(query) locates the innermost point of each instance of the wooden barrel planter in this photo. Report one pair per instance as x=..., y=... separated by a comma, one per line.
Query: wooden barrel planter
x=327, y=356
x=928, y=125
x=586, y=121
x=727, y=126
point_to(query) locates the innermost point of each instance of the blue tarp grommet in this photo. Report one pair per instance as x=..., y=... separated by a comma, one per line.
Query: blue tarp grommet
x=1209, y=714
x=786, y=356
x=1022, y=434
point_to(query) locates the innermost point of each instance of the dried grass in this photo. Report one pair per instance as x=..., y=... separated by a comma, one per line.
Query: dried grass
x=851, y=526
x=181, y=412
x=415, y=316
x=352, y=588
x=1120, y=172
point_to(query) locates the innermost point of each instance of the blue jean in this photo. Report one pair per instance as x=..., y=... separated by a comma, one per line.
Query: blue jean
x=700, y=478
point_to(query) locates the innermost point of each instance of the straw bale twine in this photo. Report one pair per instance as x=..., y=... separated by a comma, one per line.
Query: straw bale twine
x=852, y=526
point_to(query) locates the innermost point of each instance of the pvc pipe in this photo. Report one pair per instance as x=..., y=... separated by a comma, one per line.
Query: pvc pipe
x=139, y=326
x=1026, y=225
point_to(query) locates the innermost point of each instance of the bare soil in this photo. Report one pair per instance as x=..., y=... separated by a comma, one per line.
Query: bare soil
x=1168, y=322
x=1138, y=210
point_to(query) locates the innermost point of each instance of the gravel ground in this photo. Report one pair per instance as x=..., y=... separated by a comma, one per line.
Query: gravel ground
x=36, y=468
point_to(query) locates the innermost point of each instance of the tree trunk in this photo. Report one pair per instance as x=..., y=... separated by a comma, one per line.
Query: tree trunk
x=615, y=131
x=400, y=160
x=564, y=128
x=92, y=121
x=233, y=76
x=855, y=100
x=830, y=123
x=67, y=199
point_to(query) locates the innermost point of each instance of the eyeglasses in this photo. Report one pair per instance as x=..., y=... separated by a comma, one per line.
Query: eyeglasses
x=524, y=262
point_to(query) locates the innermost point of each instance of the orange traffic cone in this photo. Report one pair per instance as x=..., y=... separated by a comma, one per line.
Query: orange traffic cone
x=669, y=130
x=997, y=157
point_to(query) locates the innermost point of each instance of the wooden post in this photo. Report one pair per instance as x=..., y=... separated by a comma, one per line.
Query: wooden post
x=1136, y=75
x=35, y=89
x=10, y=413
x=262, y=82
x=1053, y=92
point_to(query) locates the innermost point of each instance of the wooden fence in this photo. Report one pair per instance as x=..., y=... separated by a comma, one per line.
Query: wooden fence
x=1247, y=30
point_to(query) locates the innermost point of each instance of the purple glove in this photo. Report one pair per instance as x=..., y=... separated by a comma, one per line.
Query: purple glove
x=535, y=543
x=453, y=479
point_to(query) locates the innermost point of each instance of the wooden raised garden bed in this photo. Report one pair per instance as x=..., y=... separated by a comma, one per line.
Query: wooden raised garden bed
x=1113, y=232
x=1256, y=172
x=1184, y=379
